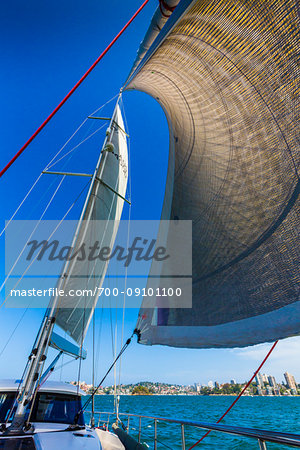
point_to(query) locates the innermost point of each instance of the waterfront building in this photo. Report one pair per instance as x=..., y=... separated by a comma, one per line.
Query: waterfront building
x=259, y=390
x=272, y=381
x=290, y=381
x=269, y=390
x=259, y=379
x=232, y=382
x=197, y=387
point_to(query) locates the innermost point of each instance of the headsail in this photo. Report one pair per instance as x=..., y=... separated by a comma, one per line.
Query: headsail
x=103, y=204
x=226, y=74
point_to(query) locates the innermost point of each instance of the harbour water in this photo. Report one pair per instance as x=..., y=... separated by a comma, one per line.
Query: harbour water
x=272, y=413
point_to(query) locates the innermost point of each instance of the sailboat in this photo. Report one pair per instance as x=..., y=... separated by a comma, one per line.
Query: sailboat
x=225, y=75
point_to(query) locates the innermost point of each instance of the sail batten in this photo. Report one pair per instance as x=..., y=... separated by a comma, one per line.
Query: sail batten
x=227, y=75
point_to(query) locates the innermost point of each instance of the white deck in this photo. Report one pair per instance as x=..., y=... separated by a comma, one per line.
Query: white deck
x=49, y=436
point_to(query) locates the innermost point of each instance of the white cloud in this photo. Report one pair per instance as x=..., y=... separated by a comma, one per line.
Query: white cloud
x=285, y=349
x=284, y=358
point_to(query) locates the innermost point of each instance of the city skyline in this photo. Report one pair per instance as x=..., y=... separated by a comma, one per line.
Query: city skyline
x=264, y=385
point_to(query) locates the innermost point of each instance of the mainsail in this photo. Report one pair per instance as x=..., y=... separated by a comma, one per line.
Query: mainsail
x=100, y=222
x=227, y=75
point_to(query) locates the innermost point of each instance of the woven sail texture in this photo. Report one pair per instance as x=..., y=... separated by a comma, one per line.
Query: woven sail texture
x=227, y=75
x=100, y=223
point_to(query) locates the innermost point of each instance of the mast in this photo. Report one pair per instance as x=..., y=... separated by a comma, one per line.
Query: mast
x=41, y=344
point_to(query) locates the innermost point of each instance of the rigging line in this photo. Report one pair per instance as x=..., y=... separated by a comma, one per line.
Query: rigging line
x=125, y=290
x=108, y=371
x=64, y=146
x=116, y=319
x=72, y=90
x=17, y=393
x=38, y=385
x=128, y=230
x=93, y=345
x=81, y=347
x=58, y=225
x=76, y=131
x=64, y=364
x=14, y=330
x=116, y=347
x=62, y=361
x=115, y=352
x=105, y=104
x=93, y=369
x=28, y=193
x=90, y=276
x=90, y=213
x=240, y=394
x=26, y=196
x=115, y=372
x=76, y=146
x=36, y=181
x=115, y=200
x=39, y=373
x=36, y=204
x=69, y=270
x=49, y=165
x=39, y=221
x=111, y=329
x=99, y=341
x=129, y=147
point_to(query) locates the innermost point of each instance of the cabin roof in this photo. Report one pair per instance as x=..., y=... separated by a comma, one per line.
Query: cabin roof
x=48, y=386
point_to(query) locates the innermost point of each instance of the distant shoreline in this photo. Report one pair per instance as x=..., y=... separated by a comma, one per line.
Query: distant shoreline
x=192, y=395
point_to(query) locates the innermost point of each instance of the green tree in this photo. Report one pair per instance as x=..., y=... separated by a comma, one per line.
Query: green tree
x=140, y=390
x=205, y=390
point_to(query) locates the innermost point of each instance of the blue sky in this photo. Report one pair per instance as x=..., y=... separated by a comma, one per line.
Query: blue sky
x=45, y=48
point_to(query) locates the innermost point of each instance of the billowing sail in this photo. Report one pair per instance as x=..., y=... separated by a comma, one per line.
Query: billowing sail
x=100, y=224
x=227, y=75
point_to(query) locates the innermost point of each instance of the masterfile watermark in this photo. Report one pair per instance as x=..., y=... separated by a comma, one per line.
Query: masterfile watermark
x=53, y=250
x=97, y=291
x=165, y=293
x=81, y=258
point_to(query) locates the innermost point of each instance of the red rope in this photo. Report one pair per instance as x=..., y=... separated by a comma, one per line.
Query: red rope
x=240, y=394
x=72, y=90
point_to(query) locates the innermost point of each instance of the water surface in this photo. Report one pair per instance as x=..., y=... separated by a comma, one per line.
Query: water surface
x=272, y=413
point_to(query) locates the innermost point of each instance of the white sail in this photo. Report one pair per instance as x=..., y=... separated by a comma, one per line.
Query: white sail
x=100, y=223
x=230, y=88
